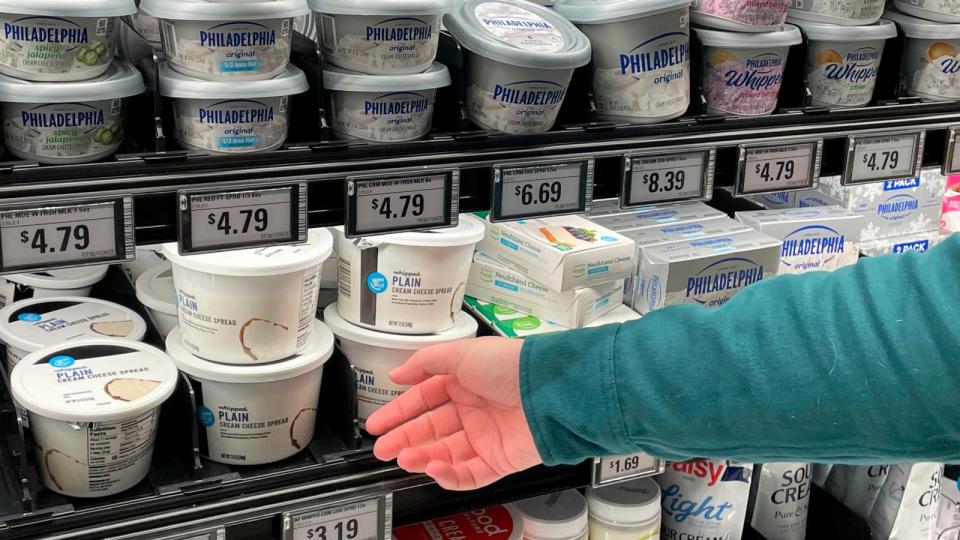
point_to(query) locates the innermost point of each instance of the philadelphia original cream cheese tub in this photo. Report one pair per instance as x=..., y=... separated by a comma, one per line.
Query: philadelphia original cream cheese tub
x=931, y=57
x=68, y=123
x=59, y=40
x=520, y=59
x=59, y=282
x=94, y=408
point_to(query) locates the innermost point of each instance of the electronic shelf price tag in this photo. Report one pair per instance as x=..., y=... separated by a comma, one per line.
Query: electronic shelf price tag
x=878, y=158
x=785, y=166
x=82, y=232
x=413, y=201
x=951, y=157
x=362, y=518
x=541, y=189
x=613, y=470
x=667, y=176
x=246, y=217
x=200, y=533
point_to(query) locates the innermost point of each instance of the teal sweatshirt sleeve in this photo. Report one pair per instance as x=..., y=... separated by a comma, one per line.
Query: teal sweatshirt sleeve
x=855, y=366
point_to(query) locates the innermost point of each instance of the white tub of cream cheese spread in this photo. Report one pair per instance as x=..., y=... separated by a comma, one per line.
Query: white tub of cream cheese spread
x=59, y=282
x=156, y=292
x=947, y=11
x=839, y=12
x=931, y=57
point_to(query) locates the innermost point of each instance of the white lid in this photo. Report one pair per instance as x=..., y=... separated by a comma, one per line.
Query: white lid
x=558, y=516
x=591, y=11
x=464, y=327
x=630, y=502
x=173, y=84
x=123, y=378
x=518, y=33
x=121, y=80
x=63, y=278
x=382, y=7
x=470, y=230
x=334, y=78
x=156, y=291
x=266, y=261
x=191, y=10
x=784, y=37
x=881, y=29
x=26, y=324
x=319, y=349
x=920, y=28
x=70, y=8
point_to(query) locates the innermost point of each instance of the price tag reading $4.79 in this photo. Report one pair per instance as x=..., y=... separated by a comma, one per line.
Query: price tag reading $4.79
x=781, y=167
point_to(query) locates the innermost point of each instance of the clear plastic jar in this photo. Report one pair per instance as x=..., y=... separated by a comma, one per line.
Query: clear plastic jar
x=558, y=516
x=627, y=511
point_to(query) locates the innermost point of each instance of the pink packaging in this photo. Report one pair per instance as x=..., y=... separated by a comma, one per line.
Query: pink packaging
x=740, y=15
x=950, y=213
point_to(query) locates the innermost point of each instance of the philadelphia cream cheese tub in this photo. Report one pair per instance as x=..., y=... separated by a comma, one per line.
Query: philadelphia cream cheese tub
x=641, y=56
x=374, y=355
x=59, y=282
x=156, y=292
x=250, y=306
x=380, y=37
x=68, y=123
x=227, y=41
x=30, y=325
x=839, y=12
x=406, y=283
x=740, y=15
x=947, y=11
x=230, y=117
x=250, y=415
x=94, y=408
x=931, y=57
x=59, y=40
x=383, y=108
x=520, y=59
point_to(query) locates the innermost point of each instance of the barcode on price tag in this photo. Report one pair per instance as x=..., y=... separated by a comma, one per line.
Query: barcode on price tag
x=662, y=177
x=779, y=167
x=202, y=533
x=527, y=190
x=403, y=202
x=613, y=470
x=78, y=233
x=358, y=519
x=951, y=158
x=877, y=158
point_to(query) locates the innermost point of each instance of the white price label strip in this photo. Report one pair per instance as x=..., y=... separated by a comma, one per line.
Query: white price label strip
x=613, y=470
x=365, y=519
x=951, y=158
x=875, y=158
x=541, y=189
x=668, y=177
x=383, y=205
x=781, y=167
x=63, y=235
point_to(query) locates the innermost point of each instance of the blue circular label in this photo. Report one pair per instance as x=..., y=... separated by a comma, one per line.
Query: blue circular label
x=608, y=238
x=62, y=361
x=377, y=282
x=29, y=317
x=205, y=415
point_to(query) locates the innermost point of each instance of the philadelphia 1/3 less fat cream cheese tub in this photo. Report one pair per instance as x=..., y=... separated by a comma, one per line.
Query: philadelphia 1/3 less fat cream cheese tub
x=641, y=56
x=60, y=282
x=374, y=355
x=250, y=415
x=380, y=37
x=931, y=57
x=67, y=123
x=229, y=40
x=94, y=408
x=520, y=58
x=59, y=40
x=406, y=283
x=249, y=306
x=228, y=117
x=383, y=108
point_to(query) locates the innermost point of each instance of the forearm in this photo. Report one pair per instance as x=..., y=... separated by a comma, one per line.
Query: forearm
x=856, y=365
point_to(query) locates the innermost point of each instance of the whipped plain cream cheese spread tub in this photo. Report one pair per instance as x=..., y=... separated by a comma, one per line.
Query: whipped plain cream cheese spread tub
x=839, y=12
x=229, y=40
x=931, y=57
x=94, y=408
x=250, y=415
x=641, y=56
x=380, y=37
x=740, y=15
x=230, y=118
x=383, y=108
x=249, y=306
x=557, y=516
x=521, y=57
x=58, y=282
x=374, y=355
x=59, y=40
x=67, y=123
x=156, y=292
x=406, y=283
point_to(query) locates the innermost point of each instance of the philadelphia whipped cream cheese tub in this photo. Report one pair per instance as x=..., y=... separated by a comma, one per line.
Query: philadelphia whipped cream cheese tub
x=839, y=12
x=930, y=68
x=947, y=11
x=520, y=57
x=56, y=282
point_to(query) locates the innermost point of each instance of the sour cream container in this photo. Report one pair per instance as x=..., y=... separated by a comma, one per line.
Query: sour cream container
x=625, y=511
x=103, y=443
x=67, y=123
x=839, y=12
x=558, y=516
x=380, y=37
x=59, y=282
x=406, y=283
x=740, y=15
x=249, y=306
x=229, y=118
x=520, y=59
x=742, y=72
x=641, y=56
x=59, y=40
x=374, y=355
x=383, y=108
x=156, y=292
x=250, y=415
x=947, y=11
x=229, y=40
x=931, y=57
x=843, y=61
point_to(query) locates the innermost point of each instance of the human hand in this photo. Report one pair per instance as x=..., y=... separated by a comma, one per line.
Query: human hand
x=463, y=423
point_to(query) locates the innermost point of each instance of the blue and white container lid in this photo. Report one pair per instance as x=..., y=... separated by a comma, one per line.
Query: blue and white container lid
x=121, y=80
x=176, y=85
x=593, y=12
x=191, y=10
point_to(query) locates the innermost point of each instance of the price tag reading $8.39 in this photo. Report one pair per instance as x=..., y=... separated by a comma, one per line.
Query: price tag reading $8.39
x=358, y=520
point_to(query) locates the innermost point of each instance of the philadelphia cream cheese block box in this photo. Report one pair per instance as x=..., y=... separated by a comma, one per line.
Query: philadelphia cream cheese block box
x=776, y=200
x=706, y=271
x=818, y=238
x=509, y=322
x=659, y=215
x=562, y=253
x=492, y=282
x=910, y=243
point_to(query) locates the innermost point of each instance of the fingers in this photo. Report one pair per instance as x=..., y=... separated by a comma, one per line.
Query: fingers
x=464, y=476
x=424, y=429
x=440, y=359
x=411, y=404
x=453, y=449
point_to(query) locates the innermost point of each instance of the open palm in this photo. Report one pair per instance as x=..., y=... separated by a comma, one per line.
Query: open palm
x=462, y=423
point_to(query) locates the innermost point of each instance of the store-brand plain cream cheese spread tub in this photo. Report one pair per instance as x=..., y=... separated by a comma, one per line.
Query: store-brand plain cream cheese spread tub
x=58, y=282
x=930, y=68
x=156, y=292
x=626, y=511
x=557, y=516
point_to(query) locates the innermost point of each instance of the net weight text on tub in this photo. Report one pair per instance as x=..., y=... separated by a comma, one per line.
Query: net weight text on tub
x=883, y=157
x=541, y=189
x=356, y=520
x=779, y=167
x=668, y=177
